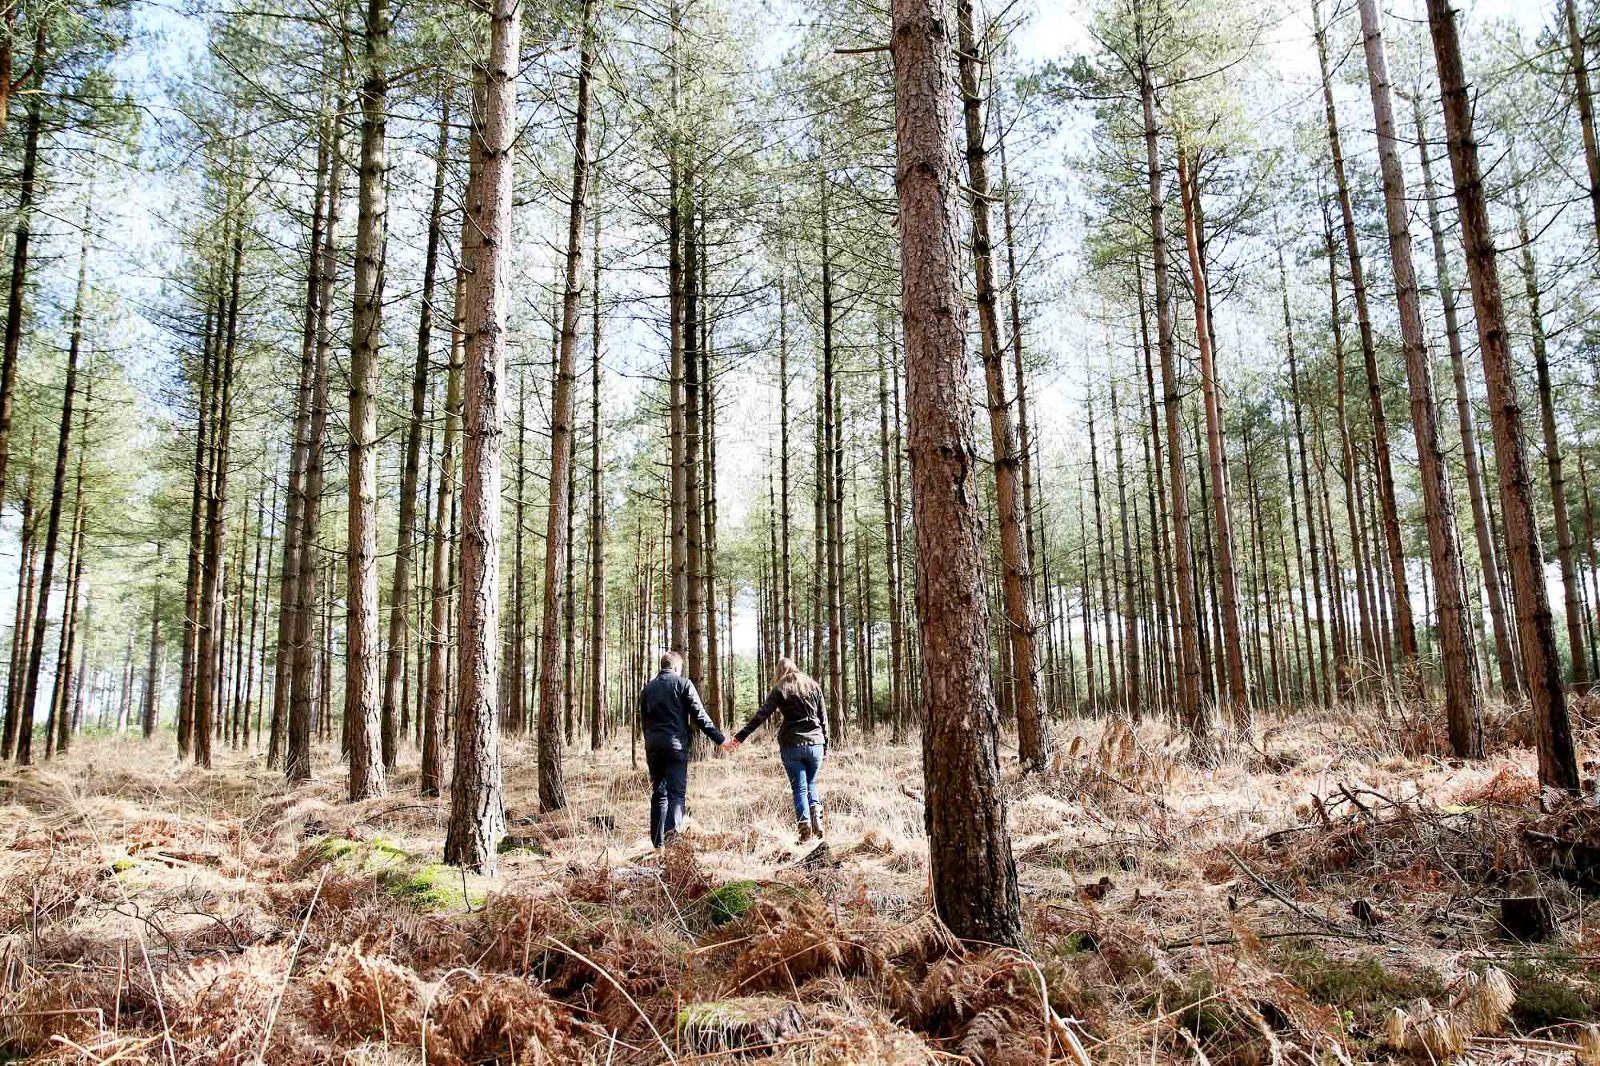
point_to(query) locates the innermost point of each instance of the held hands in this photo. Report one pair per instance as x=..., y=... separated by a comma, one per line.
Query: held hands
x=731, y=745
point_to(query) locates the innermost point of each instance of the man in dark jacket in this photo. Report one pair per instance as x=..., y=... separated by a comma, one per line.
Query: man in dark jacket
x=669, y=711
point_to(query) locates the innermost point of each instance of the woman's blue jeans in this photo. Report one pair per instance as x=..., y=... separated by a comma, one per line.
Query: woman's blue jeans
x=802, y=763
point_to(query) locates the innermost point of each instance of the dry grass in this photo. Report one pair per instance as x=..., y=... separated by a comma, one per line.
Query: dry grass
x=1327, y=894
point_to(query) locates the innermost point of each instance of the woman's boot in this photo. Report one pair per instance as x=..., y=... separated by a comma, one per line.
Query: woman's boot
x=806, y=831
x=816, y=819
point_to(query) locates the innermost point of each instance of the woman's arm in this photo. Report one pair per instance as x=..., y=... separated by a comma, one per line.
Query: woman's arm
x=768, y=705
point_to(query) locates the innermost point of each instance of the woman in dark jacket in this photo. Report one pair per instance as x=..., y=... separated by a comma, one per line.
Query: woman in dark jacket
x=802, y=740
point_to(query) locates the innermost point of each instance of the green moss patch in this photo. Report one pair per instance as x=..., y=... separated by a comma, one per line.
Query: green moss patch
x=1362, y=988
x=728, y=901
x=424, y=885
x=1553, y=990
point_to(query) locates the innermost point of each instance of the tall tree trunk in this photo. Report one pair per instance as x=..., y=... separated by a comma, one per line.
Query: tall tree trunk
x=891, y=557
x=1228, y=601
x=1462, y=710
x=477, y=803
x=22, y=622
x=1196, y=718
x=151, y=716
x=1132, y=700
x=369, y=730
x=1558, y=767
x=1305, y=482
x=400, y=597
x=552, y=694
x=597, y=518
x=1033, y=743
x=1552, y=444
x=26, y=191
x=41, y=620
x=1466, y=421
x=303, y=694
x=436, y=709
x=1383, y=472
x=830, y=444
x=209, y=649
x=973, y=875
x=1585, y=100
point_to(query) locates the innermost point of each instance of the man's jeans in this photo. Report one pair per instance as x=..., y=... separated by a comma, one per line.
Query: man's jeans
x=669, y=784
x=802, y=764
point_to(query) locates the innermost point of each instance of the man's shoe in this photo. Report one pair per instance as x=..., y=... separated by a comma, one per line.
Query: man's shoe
x=806, y=831
x=816, y=820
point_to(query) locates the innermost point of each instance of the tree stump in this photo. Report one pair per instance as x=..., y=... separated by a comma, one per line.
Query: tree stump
x=748, y=1023
x=1527, y=918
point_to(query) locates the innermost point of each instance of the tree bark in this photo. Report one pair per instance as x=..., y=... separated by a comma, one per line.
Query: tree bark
x=362, y=707
x=400, y=596
x=1463, y=712
x=597, y=519
x=208, y=654
x=1467, y=423
x=1033, y=743
x=1585, y=101
x=552, y=694
x=26, y=192
x=1573, y=601
x=1228, y=600
x=1196, y=718
x=1558, y=767
x=41, y=621
x=477, y=804
x=1383, y=471
x=973, y=875
x=303, y=691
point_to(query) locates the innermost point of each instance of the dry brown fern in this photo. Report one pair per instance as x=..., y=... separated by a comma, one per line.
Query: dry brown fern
x=492, y=1017
x=355, y=996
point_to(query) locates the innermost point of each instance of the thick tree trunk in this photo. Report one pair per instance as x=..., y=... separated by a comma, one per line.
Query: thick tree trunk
x=973, y=875
x=1558, y=767
x=1463, y=713
x=362, y=707
x=477, y=803
x=1033, y=743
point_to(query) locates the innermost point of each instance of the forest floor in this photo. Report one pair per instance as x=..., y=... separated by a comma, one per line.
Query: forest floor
x=1330, y=893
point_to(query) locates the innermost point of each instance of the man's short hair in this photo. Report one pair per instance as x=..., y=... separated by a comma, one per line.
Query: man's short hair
x=671, y=660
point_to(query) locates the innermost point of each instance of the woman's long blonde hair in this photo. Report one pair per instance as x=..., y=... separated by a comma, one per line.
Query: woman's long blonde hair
x=794, y=680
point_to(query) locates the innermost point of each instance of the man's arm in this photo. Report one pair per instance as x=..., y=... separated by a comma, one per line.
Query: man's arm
x=698, y=715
